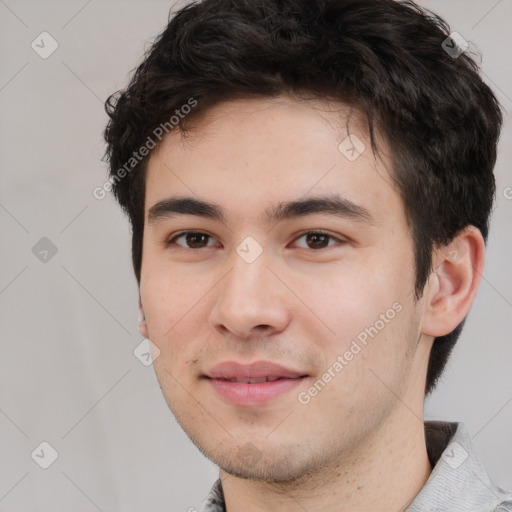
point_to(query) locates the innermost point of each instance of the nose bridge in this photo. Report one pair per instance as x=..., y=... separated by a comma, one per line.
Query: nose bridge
x=248, y=277
x=249, y=296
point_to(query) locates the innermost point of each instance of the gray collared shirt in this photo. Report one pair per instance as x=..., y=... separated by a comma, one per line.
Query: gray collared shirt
x=458, y=482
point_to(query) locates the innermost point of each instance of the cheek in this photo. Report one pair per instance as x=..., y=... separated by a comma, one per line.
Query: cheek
x=352, y=299
x=366, y=368
x=371, y=313
x=171, y=304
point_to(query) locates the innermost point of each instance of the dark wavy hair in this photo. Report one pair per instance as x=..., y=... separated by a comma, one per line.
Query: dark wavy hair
x=384, y=57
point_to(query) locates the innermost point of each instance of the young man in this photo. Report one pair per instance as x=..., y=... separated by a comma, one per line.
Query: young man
x=309, y=185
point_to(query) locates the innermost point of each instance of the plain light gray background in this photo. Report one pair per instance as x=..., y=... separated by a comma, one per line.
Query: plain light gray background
x=68, y=375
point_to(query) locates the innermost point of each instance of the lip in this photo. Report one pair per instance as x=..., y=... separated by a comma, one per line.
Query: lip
x=234, y=381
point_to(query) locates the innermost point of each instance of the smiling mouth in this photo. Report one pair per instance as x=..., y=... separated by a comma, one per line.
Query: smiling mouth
x=251, y=385
x=254, y=392
x=255, y=380
x=253, y=373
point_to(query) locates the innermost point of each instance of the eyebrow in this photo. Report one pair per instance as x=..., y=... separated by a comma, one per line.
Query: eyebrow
x=331, y=205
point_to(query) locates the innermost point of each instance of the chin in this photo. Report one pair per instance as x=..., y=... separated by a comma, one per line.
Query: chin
x=284, y=464
x=267, y=471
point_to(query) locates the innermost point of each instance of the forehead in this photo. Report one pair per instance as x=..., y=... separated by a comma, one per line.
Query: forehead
x=248, y=155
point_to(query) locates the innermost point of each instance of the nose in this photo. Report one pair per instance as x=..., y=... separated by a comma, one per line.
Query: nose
x=250, y=301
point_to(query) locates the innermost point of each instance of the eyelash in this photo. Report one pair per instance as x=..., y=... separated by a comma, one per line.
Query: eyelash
x=172, y=241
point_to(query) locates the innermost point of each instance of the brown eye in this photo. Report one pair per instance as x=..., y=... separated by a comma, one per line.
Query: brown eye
x=193, y=240
x=196, y=240
x=317, y=240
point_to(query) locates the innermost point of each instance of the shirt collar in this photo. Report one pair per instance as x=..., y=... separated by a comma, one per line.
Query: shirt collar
x=458, y=482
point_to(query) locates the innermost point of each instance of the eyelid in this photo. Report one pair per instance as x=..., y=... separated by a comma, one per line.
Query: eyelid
x=171, y=239
x=338, y=239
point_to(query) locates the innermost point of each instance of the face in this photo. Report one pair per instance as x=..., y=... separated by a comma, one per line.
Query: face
x=277, y=283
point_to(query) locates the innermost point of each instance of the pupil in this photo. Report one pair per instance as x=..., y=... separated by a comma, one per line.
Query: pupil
x=317, y=240
x=194, y=239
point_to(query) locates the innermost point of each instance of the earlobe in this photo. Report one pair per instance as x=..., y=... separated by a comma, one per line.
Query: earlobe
x=143, y=328
x=453, y=284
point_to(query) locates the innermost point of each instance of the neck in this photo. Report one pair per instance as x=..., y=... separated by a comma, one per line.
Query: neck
x=384, y=473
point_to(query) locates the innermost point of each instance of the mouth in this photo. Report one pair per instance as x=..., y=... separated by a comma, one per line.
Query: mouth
x=253, y=384
x=254, y=380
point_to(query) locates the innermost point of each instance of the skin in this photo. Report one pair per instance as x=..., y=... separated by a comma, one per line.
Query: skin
x=358, y=445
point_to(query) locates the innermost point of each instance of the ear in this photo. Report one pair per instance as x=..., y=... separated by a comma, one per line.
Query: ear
x=143, y=328
x=453, y=284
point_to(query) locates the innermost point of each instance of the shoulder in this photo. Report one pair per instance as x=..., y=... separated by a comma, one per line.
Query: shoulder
x=505, y=506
